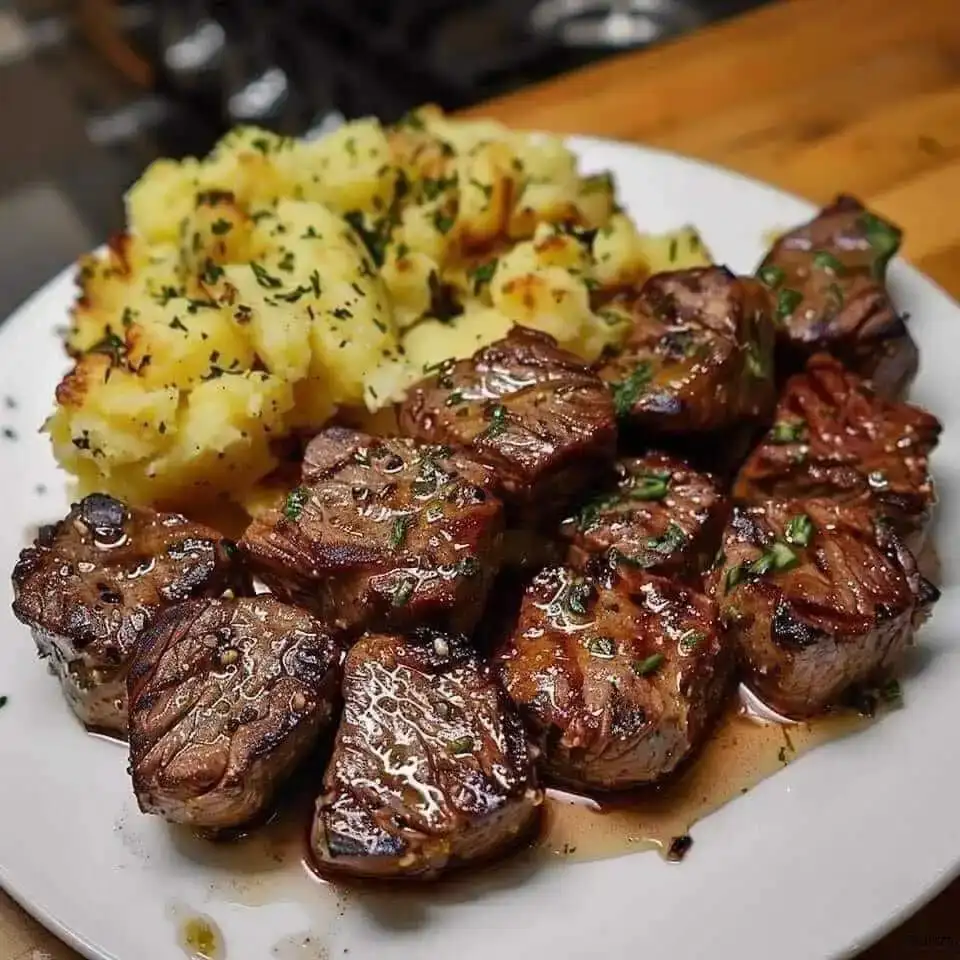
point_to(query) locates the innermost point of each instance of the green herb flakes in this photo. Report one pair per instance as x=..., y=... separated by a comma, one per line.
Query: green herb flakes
x=401, y=525
x=643, y=668
x=771, y=275
x=787, y=301
x=295, y=502
x=787, y=431
x=627, y=392
x=461, y=746
x=671, y=540
x=603, y=648
x=824, y=260
x=799, y=530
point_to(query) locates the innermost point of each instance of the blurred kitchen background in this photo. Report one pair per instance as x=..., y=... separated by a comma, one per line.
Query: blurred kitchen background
x=93, y=90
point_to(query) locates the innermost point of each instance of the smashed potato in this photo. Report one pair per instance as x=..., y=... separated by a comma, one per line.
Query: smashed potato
x=265, y=288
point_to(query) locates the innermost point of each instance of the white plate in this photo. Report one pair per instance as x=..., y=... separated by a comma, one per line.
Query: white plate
x=817, y=861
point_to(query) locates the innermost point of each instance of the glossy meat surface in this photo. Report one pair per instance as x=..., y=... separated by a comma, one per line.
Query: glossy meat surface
x=834, y=437
x=661, y=517
x=617, y=686
x=90, y=584
x=531, y=411
x=430, y=768
x=828, y=279
x=227, y=697
x=820, y=597
x=699, y=354
x=383, y=532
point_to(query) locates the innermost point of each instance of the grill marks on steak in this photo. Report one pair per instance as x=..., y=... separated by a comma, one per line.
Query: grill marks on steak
x=90, y=584
x=699, y=354
x=828, y=279
x=617, y=686
x=429, y=770
x=821, y=596
x=662, y=517
x=834, y=437
x=384, y=532
x=531, y=411
x=226, y=698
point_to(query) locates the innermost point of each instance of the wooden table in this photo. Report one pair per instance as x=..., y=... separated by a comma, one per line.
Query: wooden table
x=815, y=96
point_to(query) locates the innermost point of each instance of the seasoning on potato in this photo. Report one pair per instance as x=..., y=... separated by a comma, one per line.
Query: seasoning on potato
x=259, y=291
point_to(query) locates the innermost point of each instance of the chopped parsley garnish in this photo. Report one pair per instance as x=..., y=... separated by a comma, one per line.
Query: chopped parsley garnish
x=689, y=641
x=777, y=557
x=890, y=693
x=483, y=274
x=578, y=596
x=468, y=567
x=177, y=324
x=292, y=296
x=401, y=525
x=758, y=365
x=443, y=221
x=672, y=539
x=602, y=647
x=315, y=283
x=111, y=345
x=219, y=227
x=733, y=576
x=295, y=502
x=884, y=240
x=498, y=422
x=597, y=183
x=590, y=514
x=824, y=260
x=771, y=275
x=402, y=593
x=455, y=399
x=650, y=486
x=799, y=530
x=264, y=278
x=461, y=746
x=627, y=392
x=648, y=665
x=375, y=239
x=787, y=301
x=402, y=251
x=212, y=272
x=787, y=431
x=287, y=262
x=432, y=187
x=673, y=250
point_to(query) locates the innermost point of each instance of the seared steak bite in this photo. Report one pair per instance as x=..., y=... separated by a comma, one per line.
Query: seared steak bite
x=828, y=281
x=834, y=437
x=430, y=769
x=383, y=531
x=533, y=412
x=699, y=354
x=226, y=698
x=661, y=517
x=820, y=596
x=90, y=584
x=617, y=686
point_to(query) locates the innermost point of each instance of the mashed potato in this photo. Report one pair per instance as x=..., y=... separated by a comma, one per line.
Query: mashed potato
x=260, y=290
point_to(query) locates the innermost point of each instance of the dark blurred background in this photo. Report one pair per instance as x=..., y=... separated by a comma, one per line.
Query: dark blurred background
x=93, y=90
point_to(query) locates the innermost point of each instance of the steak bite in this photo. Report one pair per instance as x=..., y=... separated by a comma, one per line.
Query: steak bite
x=834, y=437
x=828, y=280
x=430, y=768
x=820, y=596
x=661, y=517
x=617, y=686
x=226, y=698
x=531, y=411
x=383, y=532
x=698, y=356
x=90, y=584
